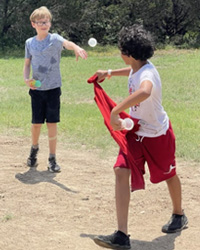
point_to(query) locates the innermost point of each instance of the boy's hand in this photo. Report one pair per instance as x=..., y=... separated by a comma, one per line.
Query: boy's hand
x=102, y=74
x=77, y=50
x=29, y=83
x=116, y=122
x=80, y=52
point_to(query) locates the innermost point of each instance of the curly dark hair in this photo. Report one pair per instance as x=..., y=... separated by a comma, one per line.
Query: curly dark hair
x=135, y=41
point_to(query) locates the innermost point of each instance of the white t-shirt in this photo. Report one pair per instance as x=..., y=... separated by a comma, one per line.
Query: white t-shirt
x=152, y=117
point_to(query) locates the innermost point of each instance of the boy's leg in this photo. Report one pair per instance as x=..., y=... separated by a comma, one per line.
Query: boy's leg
x=122, y=194
x=178, y=220
x=160, y=155
x=35, y=132
x=52, y=134
x=119, y=239
x=174, y=186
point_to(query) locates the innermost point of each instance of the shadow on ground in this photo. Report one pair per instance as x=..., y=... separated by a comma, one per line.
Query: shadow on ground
x=166, y=242
x=33, y=176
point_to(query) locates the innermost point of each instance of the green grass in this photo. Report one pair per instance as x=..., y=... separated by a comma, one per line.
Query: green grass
x=7, y=218
x=180, y=74
x=81, y=122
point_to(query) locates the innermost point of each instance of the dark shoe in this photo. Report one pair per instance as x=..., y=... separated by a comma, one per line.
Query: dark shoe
x=32, y=159
x=175, y=224
x=117, y=240
x=53, y=167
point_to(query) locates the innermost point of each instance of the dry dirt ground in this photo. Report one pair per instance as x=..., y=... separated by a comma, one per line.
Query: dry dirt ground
x=46, y=211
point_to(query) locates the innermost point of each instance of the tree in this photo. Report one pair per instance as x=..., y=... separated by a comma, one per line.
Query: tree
x=15, y=25
x=174, y=21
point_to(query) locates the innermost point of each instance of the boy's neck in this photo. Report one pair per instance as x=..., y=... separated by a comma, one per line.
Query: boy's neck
x=137, y=64
x=41, y=37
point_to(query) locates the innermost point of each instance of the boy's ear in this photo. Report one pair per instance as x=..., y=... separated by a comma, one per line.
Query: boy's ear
x=33, y=24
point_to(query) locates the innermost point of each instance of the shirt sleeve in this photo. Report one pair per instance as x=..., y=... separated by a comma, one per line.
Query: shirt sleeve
x=27, y=51
x=58, y=38
x=147, y=75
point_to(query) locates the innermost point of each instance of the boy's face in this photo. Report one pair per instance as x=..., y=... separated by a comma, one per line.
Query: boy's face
x=126, y=59
x=42, y=25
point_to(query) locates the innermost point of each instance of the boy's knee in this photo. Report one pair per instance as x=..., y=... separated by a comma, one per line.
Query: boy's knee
x=121, y=173
x=36, y=125
x=173, y=179
x=51, y=125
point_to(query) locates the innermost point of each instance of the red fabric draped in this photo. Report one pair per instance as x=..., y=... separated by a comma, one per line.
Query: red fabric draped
x=123, y=137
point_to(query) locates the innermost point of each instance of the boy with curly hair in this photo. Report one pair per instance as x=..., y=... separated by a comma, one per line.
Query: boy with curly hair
x=153, y=143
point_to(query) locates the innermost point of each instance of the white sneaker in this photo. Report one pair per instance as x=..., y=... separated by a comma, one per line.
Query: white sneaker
x=53, y=167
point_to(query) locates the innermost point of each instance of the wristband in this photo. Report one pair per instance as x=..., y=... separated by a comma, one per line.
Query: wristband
x=109, y=73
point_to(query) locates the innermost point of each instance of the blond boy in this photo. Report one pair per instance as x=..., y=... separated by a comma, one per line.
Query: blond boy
x=42, y=55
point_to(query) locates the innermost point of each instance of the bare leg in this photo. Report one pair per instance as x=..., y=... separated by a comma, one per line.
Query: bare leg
x=35, y=133
x=122, y=192
x=174, y=187
x=35, y=130
x=52, y=134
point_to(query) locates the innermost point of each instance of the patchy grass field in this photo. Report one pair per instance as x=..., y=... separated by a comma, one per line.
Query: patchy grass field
x=81, y=122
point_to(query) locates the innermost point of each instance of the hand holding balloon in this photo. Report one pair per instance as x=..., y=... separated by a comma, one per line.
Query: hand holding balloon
x=127, y=123
x=33, y=84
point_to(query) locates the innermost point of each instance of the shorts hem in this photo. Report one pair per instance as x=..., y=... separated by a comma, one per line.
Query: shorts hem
x=121, y=166
x=163, y=179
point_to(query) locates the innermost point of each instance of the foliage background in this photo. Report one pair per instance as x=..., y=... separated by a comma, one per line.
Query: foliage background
x=175, y=22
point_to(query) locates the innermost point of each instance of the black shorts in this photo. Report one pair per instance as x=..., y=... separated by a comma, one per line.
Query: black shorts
x=45, y=105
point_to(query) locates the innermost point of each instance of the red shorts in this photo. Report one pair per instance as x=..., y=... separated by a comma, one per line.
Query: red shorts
x=157, y=152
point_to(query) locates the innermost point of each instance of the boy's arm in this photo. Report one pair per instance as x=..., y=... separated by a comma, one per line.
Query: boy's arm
x=102, y=74
x=27, y=69
x=26, y=73
x=77, y=50
x=137, y=97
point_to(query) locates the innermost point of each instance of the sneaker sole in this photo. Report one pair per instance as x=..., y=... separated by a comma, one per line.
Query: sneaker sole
x=53, y=171
x=109, y=245
x=32, y=166
x=177, y=230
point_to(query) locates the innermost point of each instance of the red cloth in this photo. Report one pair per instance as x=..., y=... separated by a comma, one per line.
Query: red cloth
x=123, y=137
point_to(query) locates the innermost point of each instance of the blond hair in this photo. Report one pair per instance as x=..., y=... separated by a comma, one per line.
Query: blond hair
x=40, y=13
